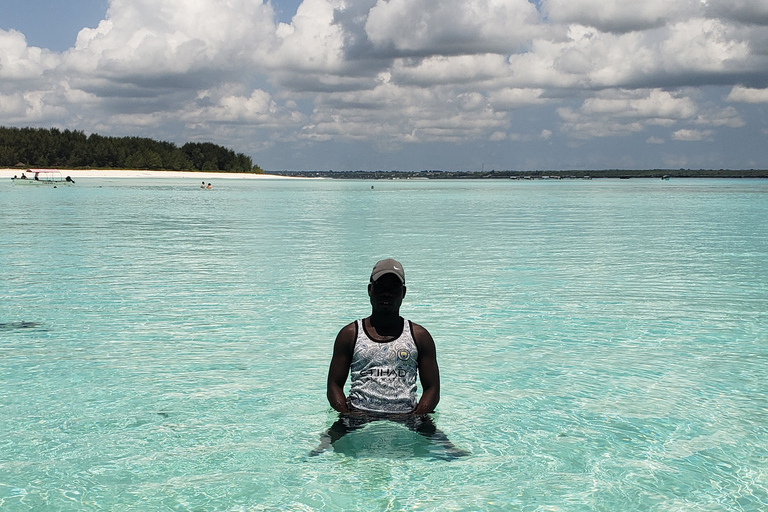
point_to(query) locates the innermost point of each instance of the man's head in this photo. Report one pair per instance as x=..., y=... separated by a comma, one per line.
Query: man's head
x=387, y=286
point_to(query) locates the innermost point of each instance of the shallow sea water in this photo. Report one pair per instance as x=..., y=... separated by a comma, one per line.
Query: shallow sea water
x=603, y=344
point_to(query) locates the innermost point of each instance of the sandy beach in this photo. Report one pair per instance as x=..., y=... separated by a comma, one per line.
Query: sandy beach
x=207, y=176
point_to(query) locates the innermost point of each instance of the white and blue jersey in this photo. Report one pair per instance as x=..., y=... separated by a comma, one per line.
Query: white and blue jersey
x=384, y=373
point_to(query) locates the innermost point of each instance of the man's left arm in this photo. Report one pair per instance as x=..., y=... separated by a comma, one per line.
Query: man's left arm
x=429, y=373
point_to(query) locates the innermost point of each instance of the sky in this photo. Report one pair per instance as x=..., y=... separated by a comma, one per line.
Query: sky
x=402, y=84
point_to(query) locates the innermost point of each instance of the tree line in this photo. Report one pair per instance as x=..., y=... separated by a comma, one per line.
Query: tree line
x=72, y=149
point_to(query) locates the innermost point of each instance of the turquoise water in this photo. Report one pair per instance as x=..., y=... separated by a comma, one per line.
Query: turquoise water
x=603, y=344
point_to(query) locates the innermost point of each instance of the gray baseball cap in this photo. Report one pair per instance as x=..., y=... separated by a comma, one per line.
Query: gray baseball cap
x=387, y=266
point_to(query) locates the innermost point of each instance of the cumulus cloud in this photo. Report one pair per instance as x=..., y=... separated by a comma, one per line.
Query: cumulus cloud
x=312, y=42
x=497, y=136
x=621, y=112
x=748, y=95
x=405, y=114
x=657, y=106
x=716, y=116
x=451, y=27
x=141, y=40
x=687, y=135
x=443, y=70
x=46, y=104
x=241, y=107
x=14, y=106
x=704, y=46
x=691, y=52
x=513, y=98
x=20, y=62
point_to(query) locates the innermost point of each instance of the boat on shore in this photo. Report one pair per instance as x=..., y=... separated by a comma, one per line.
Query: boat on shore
x=42, y=177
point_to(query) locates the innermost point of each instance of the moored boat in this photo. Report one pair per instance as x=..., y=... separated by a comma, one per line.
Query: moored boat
x=40, y=177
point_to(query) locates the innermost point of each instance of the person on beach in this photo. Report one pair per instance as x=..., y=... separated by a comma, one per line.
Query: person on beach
x=209, y=186
x=203, y=185
x=384, y=353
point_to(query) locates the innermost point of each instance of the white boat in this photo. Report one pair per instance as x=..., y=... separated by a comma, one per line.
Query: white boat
x=42, y=177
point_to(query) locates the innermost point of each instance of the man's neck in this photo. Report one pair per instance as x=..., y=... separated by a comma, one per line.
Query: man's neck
x=386, y=325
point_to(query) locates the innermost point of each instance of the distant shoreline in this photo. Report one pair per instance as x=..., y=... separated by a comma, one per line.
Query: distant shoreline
x=427, y=174
x=532, y=175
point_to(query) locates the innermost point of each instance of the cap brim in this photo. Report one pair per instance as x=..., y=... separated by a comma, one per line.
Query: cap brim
x=379, y=275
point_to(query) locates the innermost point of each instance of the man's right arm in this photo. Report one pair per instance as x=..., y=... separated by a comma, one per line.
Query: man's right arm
x=339, y=369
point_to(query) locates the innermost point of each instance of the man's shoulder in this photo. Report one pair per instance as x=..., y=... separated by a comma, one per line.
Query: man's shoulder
x=419, y=332
x=349, y=331
x=345, y=340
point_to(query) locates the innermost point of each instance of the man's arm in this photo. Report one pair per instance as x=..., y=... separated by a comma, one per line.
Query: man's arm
x=429, y=373
x=339, y=370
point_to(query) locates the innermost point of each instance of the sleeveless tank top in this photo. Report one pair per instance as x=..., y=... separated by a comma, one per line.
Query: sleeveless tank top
x=384, y=373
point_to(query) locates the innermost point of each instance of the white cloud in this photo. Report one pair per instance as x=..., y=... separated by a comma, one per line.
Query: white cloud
x=497, y=136
x=439, y=70
x=748, y=95
x=35, y=106
x=703, y=46
x=451, y=27
x=21, y=62
x=687, y=135
x=688, y=52
x=141, y=38
x=230, y=106
x=621, y=112
x=580, y=126
x=514, y=98
x=13, y=106
x=727, y=116
x=38, y=106
x=313, y=42
x=656, y=105
x=404, y=114
x=140, y=120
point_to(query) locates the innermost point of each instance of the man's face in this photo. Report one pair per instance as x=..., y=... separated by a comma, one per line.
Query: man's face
x=386, y=293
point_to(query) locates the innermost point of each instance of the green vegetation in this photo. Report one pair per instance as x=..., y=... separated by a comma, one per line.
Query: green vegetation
x=38, y=147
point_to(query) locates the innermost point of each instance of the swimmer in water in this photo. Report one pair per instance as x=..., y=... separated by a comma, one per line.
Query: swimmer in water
x=385, y=353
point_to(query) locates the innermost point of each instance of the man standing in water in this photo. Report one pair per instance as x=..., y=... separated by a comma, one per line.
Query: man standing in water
x=384, y=354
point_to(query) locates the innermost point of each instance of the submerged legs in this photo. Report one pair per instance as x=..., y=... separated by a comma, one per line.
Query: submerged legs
x=425, y=426
x=341, y=427
x=422, y=425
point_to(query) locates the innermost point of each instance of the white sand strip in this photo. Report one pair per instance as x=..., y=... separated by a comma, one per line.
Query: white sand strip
x=207, y=176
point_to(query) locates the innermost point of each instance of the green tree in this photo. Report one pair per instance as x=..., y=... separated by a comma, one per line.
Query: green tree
x=71, y=148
